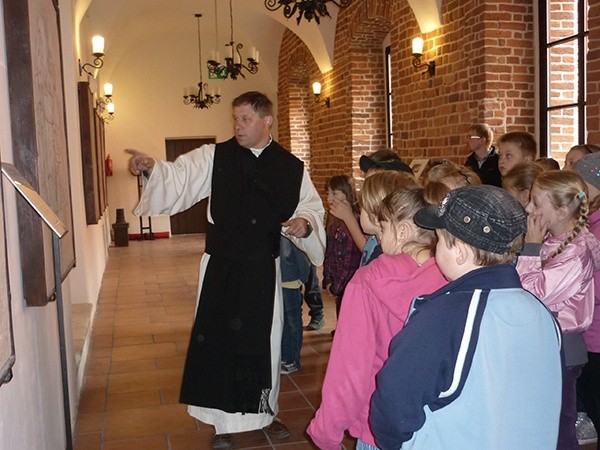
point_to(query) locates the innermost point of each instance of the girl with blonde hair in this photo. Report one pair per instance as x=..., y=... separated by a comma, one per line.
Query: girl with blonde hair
x=376, y=304
x=557, y=265
x=375, y=188
x=518, y=181
x=442, y=175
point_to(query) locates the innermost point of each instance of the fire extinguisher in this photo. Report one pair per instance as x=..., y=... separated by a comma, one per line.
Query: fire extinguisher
x=108, y=166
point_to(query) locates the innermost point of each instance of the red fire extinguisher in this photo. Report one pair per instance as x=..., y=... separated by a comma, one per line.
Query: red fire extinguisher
x=108, y=166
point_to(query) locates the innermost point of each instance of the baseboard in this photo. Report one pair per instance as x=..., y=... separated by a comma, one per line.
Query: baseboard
x=157, y=235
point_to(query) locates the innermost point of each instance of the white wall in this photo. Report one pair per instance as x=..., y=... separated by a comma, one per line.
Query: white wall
x=149, y=108
x=31, y=404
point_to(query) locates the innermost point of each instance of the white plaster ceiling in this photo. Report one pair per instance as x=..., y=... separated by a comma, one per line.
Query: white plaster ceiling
x=122, y=22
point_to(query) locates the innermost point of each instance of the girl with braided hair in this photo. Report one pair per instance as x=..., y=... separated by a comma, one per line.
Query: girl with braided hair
x=557, y=265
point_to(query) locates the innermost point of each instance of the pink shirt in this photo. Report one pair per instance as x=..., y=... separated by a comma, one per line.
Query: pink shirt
x=375, y=306
x=592, y=335
x=565, y=285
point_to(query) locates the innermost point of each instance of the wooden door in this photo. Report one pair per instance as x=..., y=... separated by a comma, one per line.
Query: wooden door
x=192, y=220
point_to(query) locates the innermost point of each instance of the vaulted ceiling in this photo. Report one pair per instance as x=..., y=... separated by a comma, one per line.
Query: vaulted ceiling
x=123, y=21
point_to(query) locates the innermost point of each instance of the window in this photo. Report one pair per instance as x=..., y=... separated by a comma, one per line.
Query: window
x=563, y=53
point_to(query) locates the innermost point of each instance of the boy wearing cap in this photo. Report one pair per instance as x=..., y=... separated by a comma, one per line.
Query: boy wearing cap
x=480, y=357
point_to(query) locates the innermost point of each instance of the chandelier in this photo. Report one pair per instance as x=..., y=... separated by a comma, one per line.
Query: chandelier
x=202, y=99
x=308, y=9
x=233, y=65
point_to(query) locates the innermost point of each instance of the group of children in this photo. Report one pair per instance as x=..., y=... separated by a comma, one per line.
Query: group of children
x=441, y=341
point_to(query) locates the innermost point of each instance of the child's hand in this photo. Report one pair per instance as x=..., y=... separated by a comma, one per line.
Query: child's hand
x=341, y=209
x=536, y=229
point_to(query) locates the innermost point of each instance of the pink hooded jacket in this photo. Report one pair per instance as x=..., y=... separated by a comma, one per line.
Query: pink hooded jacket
x=592, y=335
x=375, y=306
x=565, y=285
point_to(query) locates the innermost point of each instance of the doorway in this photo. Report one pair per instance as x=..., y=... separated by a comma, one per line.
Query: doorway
x=192, y=220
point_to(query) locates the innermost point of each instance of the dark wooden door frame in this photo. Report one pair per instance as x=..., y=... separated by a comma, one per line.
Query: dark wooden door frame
x=194, y=219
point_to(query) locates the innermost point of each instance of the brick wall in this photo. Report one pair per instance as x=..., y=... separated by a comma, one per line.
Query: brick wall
x=484, y=57
x=484, y=54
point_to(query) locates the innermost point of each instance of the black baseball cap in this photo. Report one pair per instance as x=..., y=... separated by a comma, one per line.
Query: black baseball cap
x=486, y=217
x=396, y=164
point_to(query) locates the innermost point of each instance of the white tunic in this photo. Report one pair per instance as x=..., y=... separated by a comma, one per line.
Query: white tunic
x=176, y=186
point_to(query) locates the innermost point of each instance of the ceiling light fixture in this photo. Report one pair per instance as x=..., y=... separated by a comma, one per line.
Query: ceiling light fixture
x=308, y=9
x=202, y=99
x=233, y=65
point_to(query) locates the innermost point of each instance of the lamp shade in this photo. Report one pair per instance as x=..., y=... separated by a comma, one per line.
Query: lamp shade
x=97, y=45
x=316, y=87
x=108, y=89
x=110, y=108
x=417, y=46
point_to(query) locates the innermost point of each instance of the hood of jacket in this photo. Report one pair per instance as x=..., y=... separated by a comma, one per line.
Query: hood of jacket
x=395, y=275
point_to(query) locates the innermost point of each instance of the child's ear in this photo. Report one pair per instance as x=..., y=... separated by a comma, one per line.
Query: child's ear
x=563, y=213
x=404, y=231
x=461, y=252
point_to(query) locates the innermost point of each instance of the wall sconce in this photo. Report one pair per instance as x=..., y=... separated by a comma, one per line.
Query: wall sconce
x=103, y=102
x=417, y=52
x=110, y=109
x=316, y=87
x=98, y=53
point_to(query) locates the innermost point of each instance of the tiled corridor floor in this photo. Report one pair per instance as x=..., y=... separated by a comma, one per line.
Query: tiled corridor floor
x=129, y=399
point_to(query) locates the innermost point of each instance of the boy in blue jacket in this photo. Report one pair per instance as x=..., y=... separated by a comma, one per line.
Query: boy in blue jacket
x=295, y=270
x=479, y=358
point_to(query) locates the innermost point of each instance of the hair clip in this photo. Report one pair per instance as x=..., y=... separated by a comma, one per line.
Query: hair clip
x=581, y=195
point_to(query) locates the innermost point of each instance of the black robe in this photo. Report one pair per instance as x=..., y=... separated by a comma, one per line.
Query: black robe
x=228, y=364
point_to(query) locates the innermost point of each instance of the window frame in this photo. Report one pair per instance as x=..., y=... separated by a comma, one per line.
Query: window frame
x=544, y=76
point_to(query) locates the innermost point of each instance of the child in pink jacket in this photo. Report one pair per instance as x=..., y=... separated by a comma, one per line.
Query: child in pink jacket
x=588, y=384
x=376, y=304
x=557, y=265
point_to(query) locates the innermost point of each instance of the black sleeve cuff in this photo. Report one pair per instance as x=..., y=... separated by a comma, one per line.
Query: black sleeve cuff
x=531, y=249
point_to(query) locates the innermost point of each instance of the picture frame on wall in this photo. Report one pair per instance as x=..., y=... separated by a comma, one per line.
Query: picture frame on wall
x=93, y=154
x=7, y=346
x=39, y=139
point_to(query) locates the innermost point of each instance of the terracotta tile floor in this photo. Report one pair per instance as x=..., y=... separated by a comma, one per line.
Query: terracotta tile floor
x=139, y=339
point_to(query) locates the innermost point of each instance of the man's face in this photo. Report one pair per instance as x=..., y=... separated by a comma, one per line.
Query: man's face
x=476, y=143
x=251, y=130
x=509, y=155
